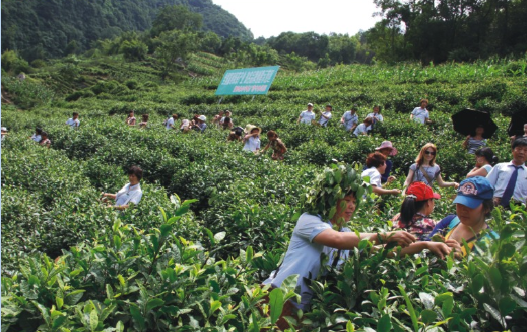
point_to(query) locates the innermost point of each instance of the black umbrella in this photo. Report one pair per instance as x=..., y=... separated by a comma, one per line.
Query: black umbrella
x=518, y=119
x=466, y=121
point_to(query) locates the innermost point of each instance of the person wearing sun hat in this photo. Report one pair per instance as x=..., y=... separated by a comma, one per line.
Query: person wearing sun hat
x=387, y=150
x=473, y=206
x=252, y=139
x=200, y=123
x=417, y=206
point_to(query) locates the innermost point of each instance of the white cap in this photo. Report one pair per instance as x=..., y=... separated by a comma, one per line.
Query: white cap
x=4, y=129
x=309, y=104
x=202, y=118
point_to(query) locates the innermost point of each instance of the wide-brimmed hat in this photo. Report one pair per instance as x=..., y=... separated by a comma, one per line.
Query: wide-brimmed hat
x=473, y=191
x=249, y=128
x=202, y=118
x=309, y=104
x=387, y=145
x=421, y=191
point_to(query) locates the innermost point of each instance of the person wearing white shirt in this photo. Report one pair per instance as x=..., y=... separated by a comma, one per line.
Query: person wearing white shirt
x=4, y=133
x=252, y=140
x=74, y=121
x=37, y=136
x=420, y=114
x=130, y=193
x=325, y=116
x=376, y=114
x=307, y=116
x=171, y=123
x=502, y=175
x=376, y=163
x=350, y=119
x=315, y=230
x=363, y=128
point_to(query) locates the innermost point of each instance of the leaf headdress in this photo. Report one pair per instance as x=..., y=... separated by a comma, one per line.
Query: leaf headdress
x=336, y=182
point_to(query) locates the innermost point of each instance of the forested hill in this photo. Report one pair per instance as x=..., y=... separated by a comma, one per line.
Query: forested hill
x=41, y=29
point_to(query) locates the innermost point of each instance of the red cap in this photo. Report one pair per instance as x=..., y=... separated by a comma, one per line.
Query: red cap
x=421, y=191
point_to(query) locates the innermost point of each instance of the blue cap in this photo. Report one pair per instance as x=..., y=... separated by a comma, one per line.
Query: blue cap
x=473, y=191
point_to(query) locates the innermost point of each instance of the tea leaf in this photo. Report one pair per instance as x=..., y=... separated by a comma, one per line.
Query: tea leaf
x=384, y=324
x=428, y=316
x=276, y=302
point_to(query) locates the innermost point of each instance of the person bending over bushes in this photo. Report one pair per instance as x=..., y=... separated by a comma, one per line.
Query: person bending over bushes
x=130, y=193
x=276, y=144
x=376, y=165
x=364, y=128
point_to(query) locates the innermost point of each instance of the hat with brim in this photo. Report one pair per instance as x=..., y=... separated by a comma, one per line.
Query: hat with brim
x=4, y=129
x=421, y=191
x=473, y=191
x=470, y=202
x=387, y=145
x=310, y=104
x=249, y=128
x=202, y=118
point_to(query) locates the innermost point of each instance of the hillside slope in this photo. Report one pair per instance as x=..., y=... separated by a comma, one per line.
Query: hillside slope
x=52, y=28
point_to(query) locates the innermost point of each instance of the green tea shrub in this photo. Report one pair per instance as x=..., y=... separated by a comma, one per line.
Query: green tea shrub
x=134, y=279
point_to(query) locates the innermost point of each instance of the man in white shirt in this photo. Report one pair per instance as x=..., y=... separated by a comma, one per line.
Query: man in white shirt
x=420, y=114
x=509, y=180
x=130, y=193
x=171, y=123
x=74, y=121
x=325, y=116
x=307, y=116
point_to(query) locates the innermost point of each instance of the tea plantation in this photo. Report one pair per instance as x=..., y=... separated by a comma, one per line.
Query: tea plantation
x=214, y=221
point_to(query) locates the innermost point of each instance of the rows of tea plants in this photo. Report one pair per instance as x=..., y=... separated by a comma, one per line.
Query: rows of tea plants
x=70, y=263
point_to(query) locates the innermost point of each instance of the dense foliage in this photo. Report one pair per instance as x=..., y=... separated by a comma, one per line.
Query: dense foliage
x=70, y=263
x=444, y=30
x=55, y=28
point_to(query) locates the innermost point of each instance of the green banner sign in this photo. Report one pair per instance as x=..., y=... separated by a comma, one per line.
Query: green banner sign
x=247, y=81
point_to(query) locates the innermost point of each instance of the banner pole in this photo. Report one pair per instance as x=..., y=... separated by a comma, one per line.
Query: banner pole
x=219, y=102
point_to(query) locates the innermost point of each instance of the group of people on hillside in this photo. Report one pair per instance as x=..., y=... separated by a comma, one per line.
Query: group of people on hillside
x=321, y=230
x=350, y=119
x=42, y=138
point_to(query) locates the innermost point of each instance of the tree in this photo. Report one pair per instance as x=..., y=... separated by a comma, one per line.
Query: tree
x=133, y=50
x=175, y=45
x=175, y=18
x=210, y=42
